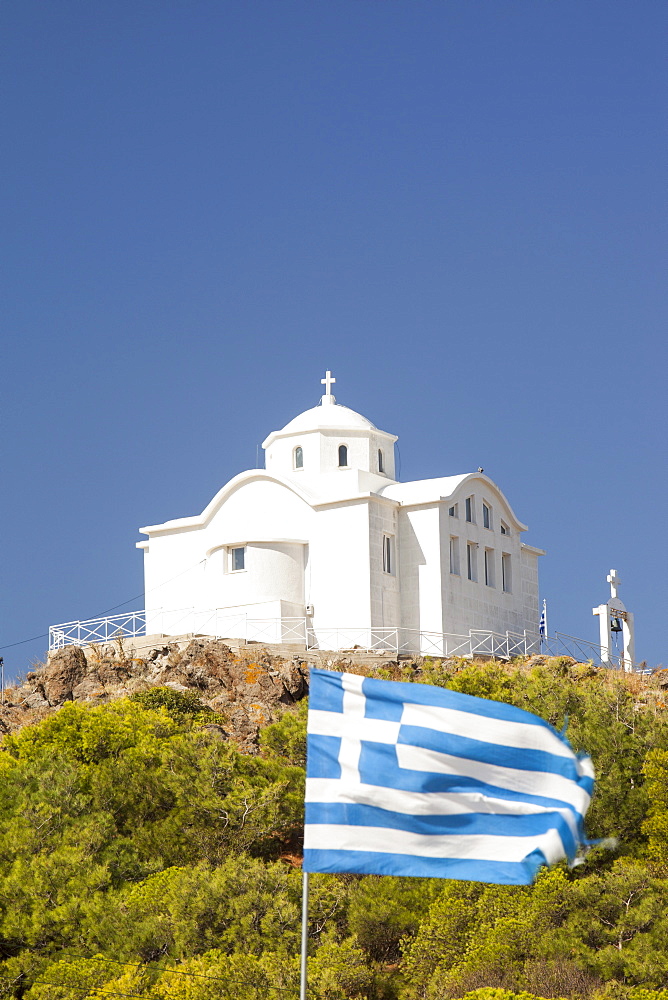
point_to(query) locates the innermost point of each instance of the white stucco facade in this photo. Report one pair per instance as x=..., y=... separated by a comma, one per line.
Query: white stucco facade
x=326, y=534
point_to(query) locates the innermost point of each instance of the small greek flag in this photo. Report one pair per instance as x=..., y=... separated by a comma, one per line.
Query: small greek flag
x=542, y=625
x=410, y=779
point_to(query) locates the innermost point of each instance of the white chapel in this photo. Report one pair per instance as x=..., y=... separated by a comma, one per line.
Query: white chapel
x=325, y=544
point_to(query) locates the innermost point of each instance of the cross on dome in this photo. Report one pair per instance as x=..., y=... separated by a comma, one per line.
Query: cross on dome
x=614, y=582
x=327, y=381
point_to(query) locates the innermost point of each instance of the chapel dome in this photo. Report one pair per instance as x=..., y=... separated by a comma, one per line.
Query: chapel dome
x=327, y=416
x=329, y=438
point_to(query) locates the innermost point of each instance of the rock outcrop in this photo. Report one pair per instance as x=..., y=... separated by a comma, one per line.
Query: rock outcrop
x=247, y=688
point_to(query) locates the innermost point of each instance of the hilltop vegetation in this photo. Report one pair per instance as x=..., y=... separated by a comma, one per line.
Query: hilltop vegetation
x=145, y=854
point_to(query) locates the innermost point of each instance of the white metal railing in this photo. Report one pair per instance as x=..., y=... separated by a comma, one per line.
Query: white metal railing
x=561, y=644
x=94, y=630
x=218, y=623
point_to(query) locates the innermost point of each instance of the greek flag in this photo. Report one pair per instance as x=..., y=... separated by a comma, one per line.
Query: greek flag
x=542, y=625
x=410, y=779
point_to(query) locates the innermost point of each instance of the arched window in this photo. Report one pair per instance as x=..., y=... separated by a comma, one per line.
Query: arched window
x=299, y=458
x=381, y=462
x=343, y=456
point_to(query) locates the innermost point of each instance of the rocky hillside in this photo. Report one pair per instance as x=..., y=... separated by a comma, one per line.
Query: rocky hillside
x=248, y=686
x=151, y=849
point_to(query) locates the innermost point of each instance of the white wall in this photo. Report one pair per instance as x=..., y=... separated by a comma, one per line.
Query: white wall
x=279, y=457
x=174, y=577
x=385, y=607
x=259, y=508
x=188, y=568
x=530, y=593
x=272, y=571
x=338, y=582
x=420, y=568
x=320, y=450
x=474, y=604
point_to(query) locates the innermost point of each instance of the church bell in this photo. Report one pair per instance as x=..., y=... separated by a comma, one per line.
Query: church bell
x=616, y=625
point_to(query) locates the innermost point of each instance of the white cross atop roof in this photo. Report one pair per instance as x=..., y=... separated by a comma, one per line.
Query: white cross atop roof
x=327, y=381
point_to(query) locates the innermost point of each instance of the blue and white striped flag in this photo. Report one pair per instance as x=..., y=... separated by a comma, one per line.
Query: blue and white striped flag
x=410, y=779
x=542, y=625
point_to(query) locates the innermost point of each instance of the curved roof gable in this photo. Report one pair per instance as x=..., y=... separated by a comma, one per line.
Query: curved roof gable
x=201, y=520
x=424, y=491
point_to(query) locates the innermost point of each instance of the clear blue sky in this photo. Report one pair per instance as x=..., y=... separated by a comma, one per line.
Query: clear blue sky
x=458, y=206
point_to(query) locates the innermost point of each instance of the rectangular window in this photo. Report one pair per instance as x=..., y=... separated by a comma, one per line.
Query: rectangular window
x=486, y=516
x=471, y=561
x=237, y=558
x=506, y=573
x=452, y=511
x=388, y=554
x=454, y=555
x=489, y=567
x=469, y=510
x=504, y=528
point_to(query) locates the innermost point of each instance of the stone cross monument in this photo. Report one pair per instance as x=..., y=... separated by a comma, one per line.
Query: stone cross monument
x=613, y=617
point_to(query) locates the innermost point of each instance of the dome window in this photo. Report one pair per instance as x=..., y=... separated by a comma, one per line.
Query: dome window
x=381, y=461
x=343, y=456
x=299, y=458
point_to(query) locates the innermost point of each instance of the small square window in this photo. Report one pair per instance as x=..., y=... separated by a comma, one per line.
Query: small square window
x=505, y=530
x=470, y=510
x=452, y=511
x=237, y=558
x=486, y=516
x=388, y=554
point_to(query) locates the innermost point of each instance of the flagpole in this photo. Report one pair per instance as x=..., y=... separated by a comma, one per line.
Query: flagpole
x=302, y=982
